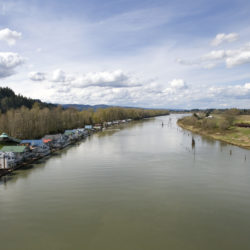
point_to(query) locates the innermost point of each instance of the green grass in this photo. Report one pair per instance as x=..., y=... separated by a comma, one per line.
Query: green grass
x=235, y=135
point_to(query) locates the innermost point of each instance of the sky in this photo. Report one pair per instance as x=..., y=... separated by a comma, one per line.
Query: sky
x=142, y=53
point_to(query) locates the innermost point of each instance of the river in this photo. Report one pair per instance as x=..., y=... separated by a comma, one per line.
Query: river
x=143, y=186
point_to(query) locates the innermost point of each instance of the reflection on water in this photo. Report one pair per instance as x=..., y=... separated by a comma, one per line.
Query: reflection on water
x=193, y=143
x=144, y=185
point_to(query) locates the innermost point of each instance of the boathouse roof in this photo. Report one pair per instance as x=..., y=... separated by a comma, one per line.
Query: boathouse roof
x=52, y=137
x=33, y=142
x=15, y=149
x=6, y=138
x=4, y=135
x=69, y=132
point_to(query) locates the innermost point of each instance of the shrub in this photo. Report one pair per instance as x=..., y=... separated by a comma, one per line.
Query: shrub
x=230, y=119
x=189, y=120
x=209, y=124
x=224, y=124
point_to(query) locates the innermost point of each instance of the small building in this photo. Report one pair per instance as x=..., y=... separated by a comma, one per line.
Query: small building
x=31, y=143
x=82, y=132
x=98, y=127
x=5, y=139
x=20, y=152
x=69, y=131
x=38, y=147
x=90, y=127
x=7, y=160
x=56, y=140
x=71, y=135
x=107, y=124
x=47, y=141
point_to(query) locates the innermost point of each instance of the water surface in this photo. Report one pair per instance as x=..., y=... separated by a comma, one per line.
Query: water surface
x=141, y=187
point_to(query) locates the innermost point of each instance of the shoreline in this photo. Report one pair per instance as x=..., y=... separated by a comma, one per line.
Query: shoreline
x=211, y=135
x=4, y=172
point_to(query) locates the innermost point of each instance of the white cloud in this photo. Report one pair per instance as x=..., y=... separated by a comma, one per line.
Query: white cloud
x=176, y=94
x=215, y=55
x=114, y=79
x=176, y=88
x=207, y=61
x=107, y=79
x=178, y=84
x=247, y=85
x=231, y=58
x=60, y=76
x=8, y=63
x=231, y=91
x=222, y=38
x=110, y=87
x=240, y=57
x=36, y=76
x=9, y=36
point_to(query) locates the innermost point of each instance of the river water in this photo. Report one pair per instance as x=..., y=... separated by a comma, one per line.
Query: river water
x=143, y=186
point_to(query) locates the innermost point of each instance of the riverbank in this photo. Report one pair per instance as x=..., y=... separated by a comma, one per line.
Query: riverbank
x=238, y=136
x=73, y=137
x=33, y=160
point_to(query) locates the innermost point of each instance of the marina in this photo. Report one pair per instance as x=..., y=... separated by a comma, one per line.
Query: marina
x=24, y=152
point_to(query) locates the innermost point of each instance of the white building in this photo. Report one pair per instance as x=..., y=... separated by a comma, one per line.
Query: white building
x=7, y=160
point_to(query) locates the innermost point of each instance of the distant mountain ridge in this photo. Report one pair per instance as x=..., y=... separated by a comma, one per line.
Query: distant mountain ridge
x=95, y=107
x=85, y=107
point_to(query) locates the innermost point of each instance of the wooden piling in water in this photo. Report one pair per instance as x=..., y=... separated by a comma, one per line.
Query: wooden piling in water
x=193, y=142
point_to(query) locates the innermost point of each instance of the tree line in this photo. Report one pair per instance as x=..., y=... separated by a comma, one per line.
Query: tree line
x=35, y=122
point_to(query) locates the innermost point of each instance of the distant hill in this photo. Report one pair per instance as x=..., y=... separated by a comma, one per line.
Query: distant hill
x=9, y=100
x=102, y=106
x=95, y=107
x=85, y=107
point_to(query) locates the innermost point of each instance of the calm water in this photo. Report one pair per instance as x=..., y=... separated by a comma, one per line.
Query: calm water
x=142, y=187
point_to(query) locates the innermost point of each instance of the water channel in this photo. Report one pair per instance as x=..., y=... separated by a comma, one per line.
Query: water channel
x=140, y=186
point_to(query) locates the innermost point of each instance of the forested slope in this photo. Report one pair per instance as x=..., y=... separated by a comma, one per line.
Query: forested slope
x=9, y=100
x=25, y=118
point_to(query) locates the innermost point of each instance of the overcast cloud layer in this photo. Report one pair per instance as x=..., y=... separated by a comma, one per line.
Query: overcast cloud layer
x=158, y=53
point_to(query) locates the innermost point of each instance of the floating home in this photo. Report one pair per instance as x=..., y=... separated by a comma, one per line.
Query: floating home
x=98, y=127
x=90, y=127
x=56, y=141
x=7, y=140
x=15, y=152
x=107, y=124
x=71, y=134
x=37, y=147
x=7, y=160
x=83, y=132
x=20, y=152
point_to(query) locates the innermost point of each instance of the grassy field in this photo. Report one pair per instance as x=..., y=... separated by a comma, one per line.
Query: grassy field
x=234, y=135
